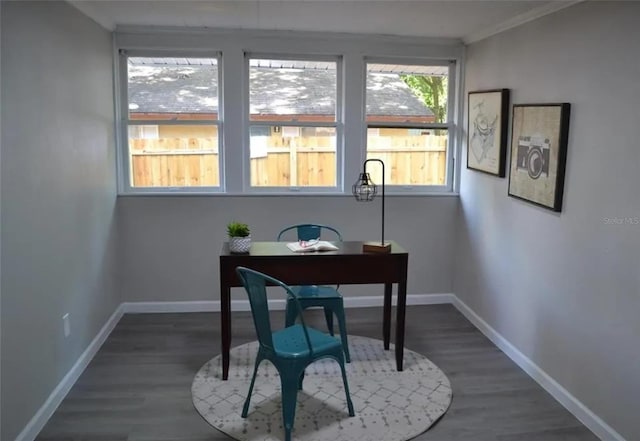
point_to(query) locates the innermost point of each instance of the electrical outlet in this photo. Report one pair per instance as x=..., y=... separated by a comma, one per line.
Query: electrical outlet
x=66, y=325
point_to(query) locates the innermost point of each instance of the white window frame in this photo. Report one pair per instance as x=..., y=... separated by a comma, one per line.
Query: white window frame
x=124, y=122
x=337, y=125
x=449, y=125
x=230, y=47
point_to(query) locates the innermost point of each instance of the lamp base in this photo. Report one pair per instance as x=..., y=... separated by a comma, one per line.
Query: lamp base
x=376, y=247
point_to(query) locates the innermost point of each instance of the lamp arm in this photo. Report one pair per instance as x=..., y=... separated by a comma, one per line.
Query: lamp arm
x=364, y=166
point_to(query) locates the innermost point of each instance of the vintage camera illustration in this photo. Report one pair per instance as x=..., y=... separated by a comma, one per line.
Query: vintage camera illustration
x=533, y=156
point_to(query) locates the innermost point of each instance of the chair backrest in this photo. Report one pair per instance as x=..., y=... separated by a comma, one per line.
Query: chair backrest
x=309, y=231
x=255, y=283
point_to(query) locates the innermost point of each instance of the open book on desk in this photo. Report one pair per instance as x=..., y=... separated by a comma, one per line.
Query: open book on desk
x=306, y=246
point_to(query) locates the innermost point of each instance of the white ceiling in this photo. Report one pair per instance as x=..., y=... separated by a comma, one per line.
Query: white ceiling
x=468, y=20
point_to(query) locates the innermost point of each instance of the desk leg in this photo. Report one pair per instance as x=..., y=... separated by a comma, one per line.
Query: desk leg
x=401, y=309
x=225, y=300
x=386, y=319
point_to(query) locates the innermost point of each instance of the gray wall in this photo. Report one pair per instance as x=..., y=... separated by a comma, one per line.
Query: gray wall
x=170, y=245
x=58, y=198
x=565, y=288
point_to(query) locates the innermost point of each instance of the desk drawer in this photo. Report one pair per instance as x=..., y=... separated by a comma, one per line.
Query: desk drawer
x=321, y=269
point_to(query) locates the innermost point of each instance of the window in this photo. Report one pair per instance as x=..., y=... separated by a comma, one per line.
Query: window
x=173, y=122
x=290, y=132
x=408, y=123
x=296, y=100
x=238, y=112
x=143, y=132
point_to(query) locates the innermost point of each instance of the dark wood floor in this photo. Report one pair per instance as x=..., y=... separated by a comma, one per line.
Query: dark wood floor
x=138, y=386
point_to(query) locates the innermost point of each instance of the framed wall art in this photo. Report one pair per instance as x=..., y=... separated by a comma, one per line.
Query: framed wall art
x=487, y=130
x=539, y=137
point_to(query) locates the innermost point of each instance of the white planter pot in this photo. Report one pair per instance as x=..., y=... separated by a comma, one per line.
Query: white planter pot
x=240, y=244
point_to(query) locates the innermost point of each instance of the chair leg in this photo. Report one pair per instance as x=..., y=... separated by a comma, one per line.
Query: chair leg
x=289, y=398
x=343, y=333
x=346, y=388
x=291, y=314
x=245, y=408
x=328, y=315
x=300, y=381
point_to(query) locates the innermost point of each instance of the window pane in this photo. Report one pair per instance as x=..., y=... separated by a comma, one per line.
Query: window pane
x=414, y=94
x=410, y=156
x=174, y=156
x=404, y=93
x=292, y=90
x=285, y=156
x=172, y=88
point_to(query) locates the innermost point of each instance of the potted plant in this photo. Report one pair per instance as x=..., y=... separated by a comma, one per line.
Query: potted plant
x=239, y=237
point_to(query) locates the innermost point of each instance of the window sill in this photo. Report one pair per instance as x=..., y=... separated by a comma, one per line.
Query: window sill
x=283, y=194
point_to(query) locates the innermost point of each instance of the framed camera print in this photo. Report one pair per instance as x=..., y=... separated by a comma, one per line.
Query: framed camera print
x=539, y=137
x=487, y=130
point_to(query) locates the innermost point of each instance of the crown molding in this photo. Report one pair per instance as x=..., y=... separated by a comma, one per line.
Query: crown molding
x=519, y=20
x=88, y=9
x=218, y=31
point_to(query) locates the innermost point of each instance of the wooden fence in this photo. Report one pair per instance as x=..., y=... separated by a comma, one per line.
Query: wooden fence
x=178, y=162
x=174, y=162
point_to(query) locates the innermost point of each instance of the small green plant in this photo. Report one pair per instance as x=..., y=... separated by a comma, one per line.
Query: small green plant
x=238, y=229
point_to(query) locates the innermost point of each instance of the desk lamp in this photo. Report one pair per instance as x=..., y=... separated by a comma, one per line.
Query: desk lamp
x=365, y=190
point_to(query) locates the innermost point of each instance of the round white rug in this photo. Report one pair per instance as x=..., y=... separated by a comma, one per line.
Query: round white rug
x=389, y=405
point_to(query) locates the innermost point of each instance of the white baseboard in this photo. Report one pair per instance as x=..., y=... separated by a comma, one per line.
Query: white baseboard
x=412, y=299
x=564, y=397
x=571, y=403
x=35, y=425
x=275, y=304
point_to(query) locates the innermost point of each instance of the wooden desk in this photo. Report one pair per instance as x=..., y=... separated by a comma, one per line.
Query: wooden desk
x=348, y=265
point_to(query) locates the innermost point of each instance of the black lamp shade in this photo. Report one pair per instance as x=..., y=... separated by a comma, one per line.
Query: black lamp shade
x=364, y=189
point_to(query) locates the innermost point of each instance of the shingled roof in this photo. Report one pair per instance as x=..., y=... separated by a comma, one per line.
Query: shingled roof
x=190, y=89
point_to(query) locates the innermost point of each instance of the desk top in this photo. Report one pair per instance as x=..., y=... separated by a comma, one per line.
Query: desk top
x=346, y=248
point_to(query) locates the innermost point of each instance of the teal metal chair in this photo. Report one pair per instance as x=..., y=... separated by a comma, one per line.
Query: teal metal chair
x=327, y=297
x=290, y=349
